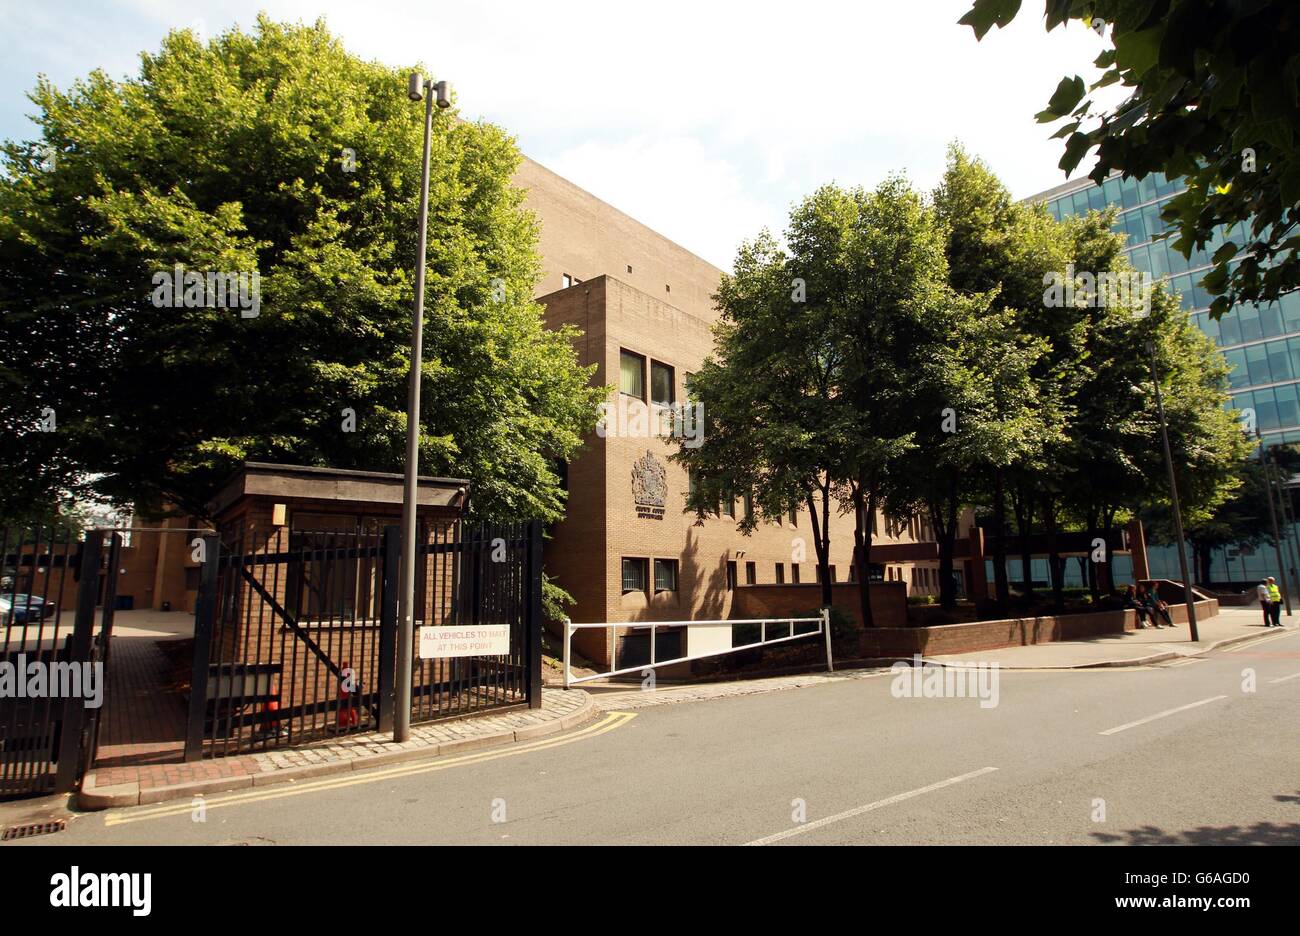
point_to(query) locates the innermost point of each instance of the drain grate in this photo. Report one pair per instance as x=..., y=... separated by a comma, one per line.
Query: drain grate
x=33, y=828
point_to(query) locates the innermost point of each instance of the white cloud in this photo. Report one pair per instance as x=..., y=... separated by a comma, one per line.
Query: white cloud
x=704, y=120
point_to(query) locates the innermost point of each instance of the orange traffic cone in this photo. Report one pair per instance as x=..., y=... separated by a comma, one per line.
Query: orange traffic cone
x=347, y=716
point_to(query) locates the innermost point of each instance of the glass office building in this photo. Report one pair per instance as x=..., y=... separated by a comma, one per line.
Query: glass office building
x=1260, y=342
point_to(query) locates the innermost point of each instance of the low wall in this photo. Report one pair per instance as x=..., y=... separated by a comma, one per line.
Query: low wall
x=888, y=601
x=1012, y=632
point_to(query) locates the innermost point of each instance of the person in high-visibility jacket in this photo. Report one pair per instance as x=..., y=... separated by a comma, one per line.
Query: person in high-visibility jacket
x=1274, y=602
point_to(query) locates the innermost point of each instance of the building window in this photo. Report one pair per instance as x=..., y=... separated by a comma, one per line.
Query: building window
x=665, y=575
x=729, y=507
x=693, y=482
x=749, y=505
x=631, y=374
x=831, y=569
x=667, y=288
x=731, y=575
x=751, y=573
x=661, y=383
x=634, y=575
x=629, y=268
x=794, y=572
x=780, y=573
x=794, y=517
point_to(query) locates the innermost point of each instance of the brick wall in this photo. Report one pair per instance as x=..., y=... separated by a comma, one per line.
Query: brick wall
x=888, y=601
x=1014, y=632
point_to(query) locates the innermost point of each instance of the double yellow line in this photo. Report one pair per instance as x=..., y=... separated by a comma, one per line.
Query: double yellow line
x=611, y=721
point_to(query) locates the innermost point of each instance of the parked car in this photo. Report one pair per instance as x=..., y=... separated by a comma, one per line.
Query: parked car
x=21, y=608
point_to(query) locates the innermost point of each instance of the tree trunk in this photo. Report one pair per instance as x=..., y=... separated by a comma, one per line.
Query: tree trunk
x=821, y=544
x=1054, y=555
x=1108, y=530
x=1094, y=588
x=1002, y=588
x=1023, y=506
x=864, y=506
x=943, y=517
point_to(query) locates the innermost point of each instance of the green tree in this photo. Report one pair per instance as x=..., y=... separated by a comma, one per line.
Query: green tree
x=279, y=153
x=774, y=423
x=875, y=267
x=978, y=407
x=1214, y=97
x=1006, y=249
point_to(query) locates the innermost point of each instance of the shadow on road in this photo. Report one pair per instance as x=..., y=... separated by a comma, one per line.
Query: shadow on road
x=1261, y=833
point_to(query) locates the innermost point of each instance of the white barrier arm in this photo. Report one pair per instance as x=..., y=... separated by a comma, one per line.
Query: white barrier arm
x=822, y=622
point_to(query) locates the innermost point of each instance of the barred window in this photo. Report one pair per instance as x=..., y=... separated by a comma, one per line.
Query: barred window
x=665, y=575
x=634, y=575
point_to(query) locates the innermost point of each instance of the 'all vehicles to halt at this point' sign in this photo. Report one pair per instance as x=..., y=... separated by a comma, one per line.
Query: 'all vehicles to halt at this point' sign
x=464, y=640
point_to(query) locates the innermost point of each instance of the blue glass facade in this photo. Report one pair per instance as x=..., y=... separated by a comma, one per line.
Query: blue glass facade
x=1261, y=343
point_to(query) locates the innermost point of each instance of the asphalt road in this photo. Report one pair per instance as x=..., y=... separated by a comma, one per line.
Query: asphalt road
x=1172, y=754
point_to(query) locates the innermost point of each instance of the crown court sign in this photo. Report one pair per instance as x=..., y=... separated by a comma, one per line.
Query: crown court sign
x=649, y=486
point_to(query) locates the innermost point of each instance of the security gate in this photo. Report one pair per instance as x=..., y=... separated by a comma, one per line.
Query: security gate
x=296, y=631
x=51, y=650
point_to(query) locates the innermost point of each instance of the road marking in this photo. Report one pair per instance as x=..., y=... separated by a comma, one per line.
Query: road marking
x=1151, y=718
x=1284, y=678
x=1249, y=644
x=611, y=721
x=878, y=804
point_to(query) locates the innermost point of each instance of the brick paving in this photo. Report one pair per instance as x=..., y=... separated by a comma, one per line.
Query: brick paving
x=345, y=753
x=141, y=722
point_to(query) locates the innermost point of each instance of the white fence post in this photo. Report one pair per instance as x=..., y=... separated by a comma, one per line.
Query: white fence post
x=568, y=639
x=826, y=626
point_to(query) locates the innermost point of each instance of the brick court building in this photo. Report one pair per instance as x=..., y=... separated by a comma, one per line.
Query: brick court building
x=626, y=550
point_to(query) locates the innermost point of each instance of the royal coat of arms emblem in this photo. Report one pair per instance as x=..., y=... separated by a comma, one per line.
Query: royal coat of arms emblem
x=649, y=481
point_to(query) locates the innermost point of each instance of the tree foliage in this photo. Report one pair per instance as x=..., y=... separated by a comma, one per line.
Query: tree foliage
x=279, y=153
x=1214, y=97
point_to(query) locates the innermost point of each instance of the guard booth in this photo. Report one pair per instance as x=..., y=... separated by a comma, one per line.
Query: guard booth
x=296, y=620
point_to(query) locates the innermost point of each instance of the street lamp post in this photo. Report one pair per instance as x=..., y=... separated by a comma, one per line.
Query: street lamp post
x=417, y=88
x=1266, y=463
x=1173, y=499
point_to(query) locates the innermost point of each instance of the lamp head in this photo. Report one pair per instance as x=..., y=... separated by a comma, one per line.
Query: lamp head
x=415, y=87
x=443, y=90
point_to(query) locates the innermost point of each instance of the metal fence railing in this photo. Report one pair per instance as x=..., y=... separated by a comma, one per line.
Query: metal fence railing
x=296, y=631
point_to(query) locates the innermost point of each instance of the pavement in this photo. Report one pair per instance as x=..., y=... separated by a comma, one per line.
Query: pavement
x=1131, y=648
x=1201, y=749
x=144, y=783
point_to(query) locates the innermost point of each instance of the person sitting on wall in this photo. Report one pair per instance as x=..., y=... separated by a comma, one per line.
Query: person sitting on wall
x=1157, y=609
x=1131, y=601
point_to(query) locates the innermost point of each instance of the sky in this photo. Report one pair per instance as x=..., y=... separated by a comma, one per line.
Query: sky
x=704, y=120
